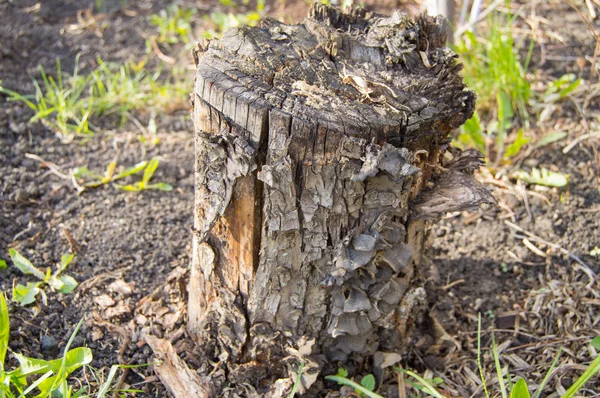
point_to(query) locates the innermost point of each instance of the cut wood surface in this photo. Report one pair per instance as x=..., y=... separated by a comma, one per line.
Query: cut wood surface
x=320, y=154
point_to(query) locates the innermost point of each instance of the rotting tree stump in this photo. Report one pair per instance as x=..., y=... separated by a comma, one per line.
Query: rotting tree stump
x=320, y=155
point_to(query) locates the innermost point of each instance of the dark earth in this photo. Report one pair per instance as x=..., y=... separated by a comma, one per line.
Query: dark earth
x=135, y=247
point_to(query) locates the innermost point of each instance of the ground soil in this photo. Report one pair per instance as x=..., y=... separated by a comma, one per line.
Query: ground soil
x=135, y=247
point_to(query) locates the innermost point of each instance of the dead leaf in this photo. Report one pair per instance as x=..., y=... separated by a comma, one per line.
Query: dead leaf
x=104, y=301
x=121, y=287
x=97, y=334
x=120, y=309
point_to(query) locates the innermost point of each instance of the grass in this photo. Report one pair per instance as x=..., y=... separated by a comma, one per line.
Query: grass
x=494, y=69
x=502, y=385
x=27, y=294
x=520, y=388
x=222, y=22
x=38, y=377
x=69, y=105
x=88, y=179
x=174, y=24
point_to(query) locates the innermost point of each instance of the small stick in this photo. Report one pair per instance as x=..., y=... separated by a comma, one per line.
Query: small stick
x=533, y=248
x=577, y=140
x=451, y=284
x=160, y=54
x=553, y=245
x=591, y=9
x=51, y=166
x=401, y=386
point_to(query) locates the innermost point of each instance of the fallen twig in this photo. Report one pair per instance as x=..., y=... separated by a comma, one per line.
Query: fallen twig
x=160, y=54
x=175, y=374
x=577, y=140
x=536, y=238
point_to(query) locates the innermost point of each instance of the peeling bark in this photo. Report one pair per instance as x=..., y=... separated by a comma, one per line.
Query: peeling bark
x=319, y=156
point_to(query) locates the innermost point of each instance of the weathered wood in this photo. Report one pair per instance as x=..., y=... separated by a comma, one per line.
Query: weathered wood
x=175, y=374
x=319, y=155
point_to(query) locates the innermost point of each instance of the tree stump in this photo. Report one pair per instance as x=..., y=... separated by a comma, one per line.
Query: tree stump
x=320, y=154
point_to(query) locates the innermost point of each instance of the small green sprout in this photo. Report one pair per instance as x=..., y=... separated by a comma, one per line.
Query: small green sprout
x=26, y=294
x=365, y=388
x=109, y=175
x=144, y=184
x=561, y=88
x=542, y=177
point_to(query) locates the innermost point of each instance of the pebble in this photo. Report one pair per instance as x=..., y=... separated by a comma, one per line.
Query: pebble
x=49, y=345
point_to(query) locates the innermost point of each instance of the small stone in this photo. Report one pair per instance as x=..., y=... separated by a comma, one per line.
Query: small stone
x=49, y=345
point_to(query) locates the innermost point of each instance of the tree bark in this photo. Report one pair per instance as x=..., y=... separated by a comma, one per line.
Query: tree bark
x=320, y=153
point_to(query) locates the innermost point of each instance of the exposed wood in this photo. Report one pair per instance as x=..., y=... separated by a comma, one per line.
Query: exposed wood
x=320, y=154
x=174, y=373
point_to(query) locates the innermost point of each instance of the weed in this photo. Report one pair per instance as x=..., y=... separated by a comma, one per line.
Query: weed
x=542, y=177
x=222, y=22
x=174, y=24
x=53, y=375
x=144, y=183
x=109, y=175
x=26, y=294
x=561, y=88
x=366, y=386
x=66, y=104
x=423, y=385
x=61, y=105
x=118, y=89
x=493, y=69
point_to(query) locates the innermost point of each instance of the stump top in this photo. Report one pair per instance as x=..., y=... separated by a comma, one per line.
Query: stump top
x=360, y=74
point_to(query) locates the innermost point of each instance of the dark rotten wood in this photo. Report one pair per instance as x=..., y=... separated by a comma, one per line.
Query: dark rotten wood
x=319, y=157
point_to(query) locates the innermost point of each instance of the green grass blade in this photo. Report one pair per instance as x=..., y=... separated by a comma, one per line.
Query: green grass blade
x=498, y=368
x=150, y=169
x=111, y=375
x=479, y=365
x=550, y=138
x=426, y=386
x=36, y=383
x=14, y=96
x=4, y=330
x=347, y=382
x=520, y=390
x=161, y=186
x=296, y=382
x=65, y=260
x=540, y=388
x=131, y=170
x=588, y=374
